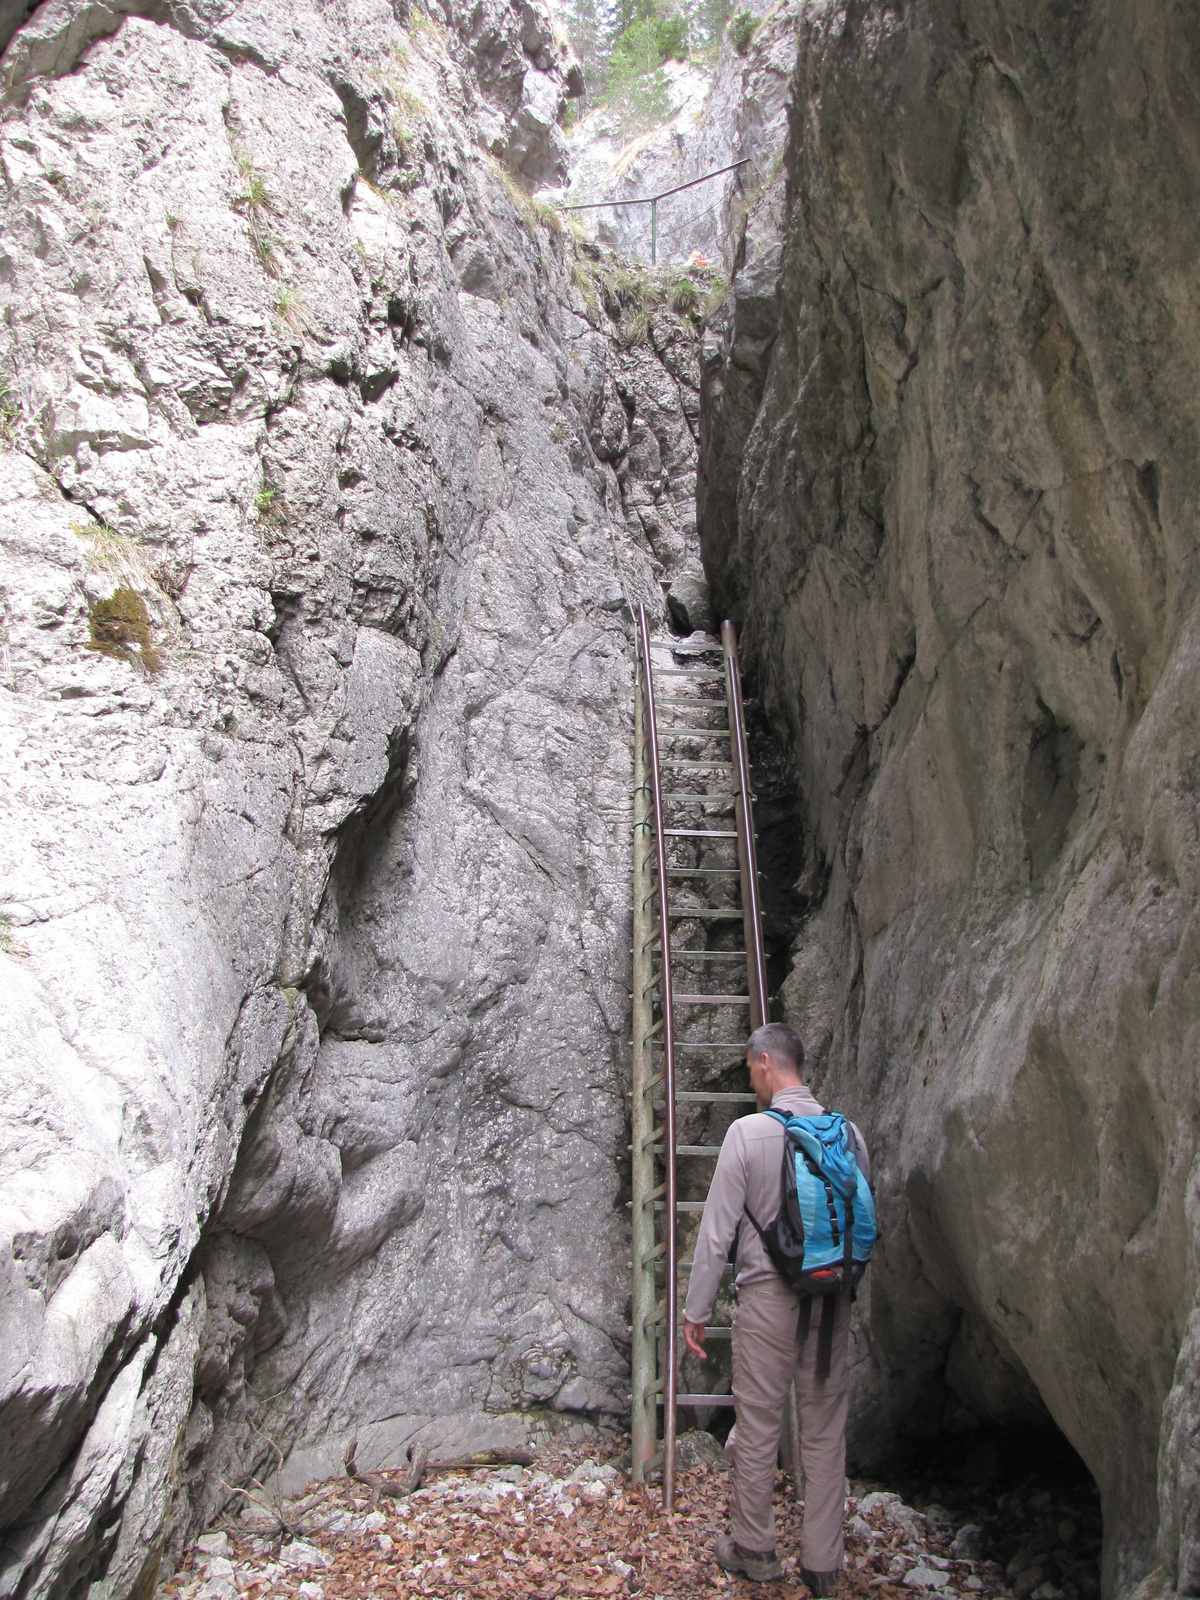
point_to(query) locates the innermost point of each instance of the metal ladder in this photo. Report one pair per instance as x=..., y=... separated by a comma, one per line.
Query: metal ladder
x=688, y=701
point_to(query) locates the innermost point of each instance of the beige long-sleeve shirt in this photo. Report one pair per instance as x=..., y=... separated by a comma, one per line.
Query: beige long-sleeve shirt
x=748, y=1173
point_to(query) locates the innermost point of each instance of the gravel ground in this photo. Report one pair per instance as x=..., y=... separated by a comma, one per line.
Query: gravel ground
x=572, y=1525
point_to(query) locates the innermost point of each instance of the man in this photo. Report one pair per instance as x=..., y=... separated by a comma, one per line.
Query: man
x=767, y=1350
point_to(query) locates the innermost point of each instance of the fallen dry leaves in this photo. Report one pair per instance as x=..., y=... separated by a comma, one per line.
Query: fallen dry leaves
x=547, y=1537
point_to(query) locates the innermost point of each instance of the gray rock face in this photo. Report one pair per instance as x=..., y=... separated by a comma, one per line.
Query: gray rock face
x=737, y=113
x=949, y=478
x=325, y=492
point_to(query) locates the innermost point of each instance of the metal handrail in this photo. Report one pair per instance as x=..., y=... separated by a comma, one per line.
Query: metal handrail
x=747, y=853
x=664, y=923
x=652, y=200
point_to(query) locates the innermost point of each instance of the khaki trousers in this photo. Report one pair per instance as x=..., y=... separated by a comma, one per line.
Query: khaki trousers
x=767, y=1357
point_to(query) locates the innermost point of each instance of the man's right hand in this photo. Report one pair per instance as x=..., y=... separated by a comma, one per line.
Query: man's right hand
x=693, y=1337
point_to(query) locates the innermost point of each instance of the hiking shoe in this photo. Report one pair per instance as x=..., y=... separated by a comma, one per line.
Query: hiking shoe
x=819, y=1583
x=760, y=1566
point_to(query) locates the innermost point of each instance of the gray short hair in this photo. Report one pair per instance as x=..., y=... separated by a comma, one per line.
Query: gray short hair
x=779, y=1041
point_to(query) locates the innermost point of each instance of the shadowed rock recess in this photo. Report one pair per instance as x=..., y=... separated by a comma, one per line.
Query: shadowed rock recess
x=949, y=480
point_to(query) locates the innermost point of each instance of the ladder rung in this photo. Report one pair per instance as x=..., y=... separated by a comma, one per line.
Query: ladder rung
x=708, y=955
x=704, y=766
x=690, y=649
x=725, y=801
x=695, y=674
x=700, y=833
x=715, y=1097
x=723, y=1331
x=705, y=916
x=694, y=1207
x=695, y=733
x=705, y=872
x=703, y=1399
x=698, y=700
x=696, y=1150
x=703, y=1044
x=712, y=999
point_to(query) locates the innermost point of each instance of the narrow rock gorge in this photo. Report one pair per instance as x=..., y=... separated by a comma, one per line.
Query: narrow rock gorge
x=332, y=466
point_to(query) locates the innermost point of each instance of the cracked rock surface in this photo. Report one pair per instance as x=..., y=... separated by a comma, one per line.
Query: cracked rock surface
x=949, y=479
x=329, y=478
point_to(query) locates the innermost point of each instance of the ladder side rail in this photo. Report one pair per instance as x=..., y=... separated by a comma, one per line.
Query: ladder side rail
x=755, y=961
x=744, y=816
x=668, y=1046
x=644, y=1419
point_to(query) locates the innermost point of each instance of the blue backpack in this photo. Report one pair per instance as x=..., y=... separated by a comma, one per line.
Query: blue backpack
x=822, y=1239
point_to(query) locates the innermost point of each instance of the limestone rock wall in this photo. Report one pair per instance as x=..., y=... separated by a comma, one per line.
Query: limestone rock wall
x=717, y=117
x=327, y=483
x=950, y=479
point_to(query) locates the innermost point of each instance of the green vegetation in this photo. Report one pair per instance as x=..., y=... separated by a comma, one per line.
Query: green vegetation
x=715, y=299
x=637, y=86
x=629, y=297
x=409, y=113
x=420, y=22
x=685, y=296
x=742, y=29
x=409, y=106
x=624, y=45
x=10, y=415
x=120, y=627
x=256, y=204
x=269, y=505
x=291, y=310
x=535, y=214
x=112, y=552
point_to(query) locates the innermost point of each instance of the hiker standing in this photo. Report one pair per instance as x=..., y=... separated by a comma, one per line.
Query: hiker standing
x=779, y=1333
